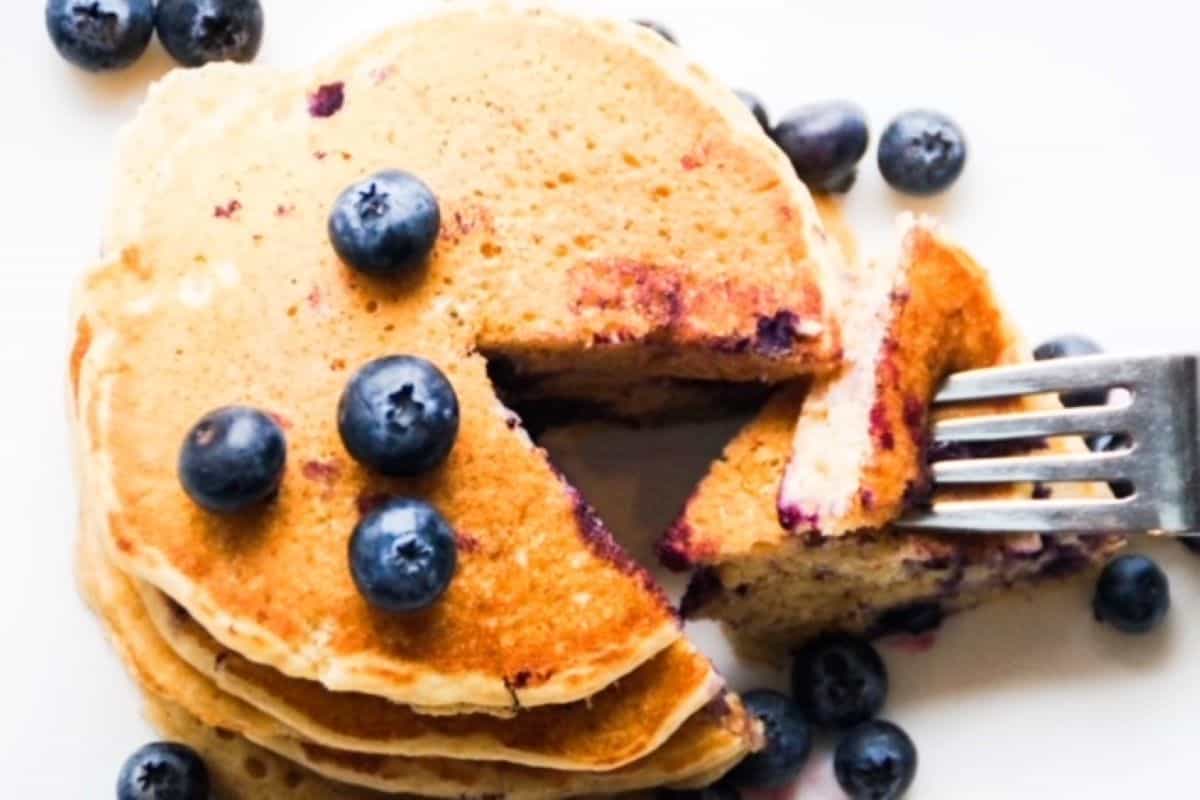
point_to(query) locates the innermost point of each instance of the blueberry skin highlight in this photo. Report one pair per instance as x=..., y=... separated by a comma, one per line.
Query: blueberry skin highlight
x=399, y=416
x=385, y=225
x=163, y=771
x=233, y=459
x=403, y=556
x=1132, y=594
x=922, y=153
x=839, y=680
x=824, y=141
x=198, y=32
x=100, y=35
x=875, y=761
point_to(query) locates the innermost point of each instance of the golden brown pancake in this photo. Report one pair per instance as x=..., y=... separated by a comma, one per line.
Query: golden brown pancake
x=577, y=165
x=710, y=742
x=614, y=727
x=858, y=444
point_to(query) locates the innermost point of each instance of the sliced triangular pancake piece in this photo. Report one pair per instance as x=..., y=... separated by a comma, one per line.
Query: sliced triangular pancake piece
x=856, y=446
x=578, y=228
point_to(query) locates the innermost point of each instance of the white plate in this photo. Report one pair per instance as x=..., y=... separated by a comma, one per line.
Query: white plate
x=1078, y=194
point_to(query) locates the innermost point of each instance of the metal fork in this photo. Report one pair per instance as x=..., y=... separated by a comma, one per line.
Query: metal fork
x=1161, y=461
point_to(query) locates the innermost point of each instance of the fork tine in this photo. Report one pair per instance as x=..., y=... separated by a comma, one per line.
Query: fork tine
x=993, y=427
x=1048, y=469
x=1088, y=372
x=1033, y=516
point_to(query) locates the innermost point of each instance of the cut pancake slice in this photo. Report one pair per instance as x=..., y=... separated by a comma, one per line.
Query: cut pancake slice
x=578, y=230
x=620, y=724
x=855, y=452
x=709, y=743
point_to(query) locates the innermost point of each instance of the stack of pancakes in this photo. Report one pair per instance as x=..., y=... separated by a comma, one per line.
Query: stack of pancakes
x=578, y=166
x=618, y=237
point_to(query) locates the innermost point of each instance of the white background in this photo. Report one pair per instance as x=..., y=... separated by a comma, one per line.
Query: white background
x=1079, y=194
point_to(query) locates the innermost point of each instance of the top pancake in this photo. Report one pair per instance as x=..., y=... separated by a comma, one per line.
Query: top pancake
x=578, y=165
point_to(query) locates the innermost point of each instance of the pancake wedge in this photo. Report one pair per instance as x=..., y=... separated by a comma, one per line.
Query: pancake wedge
x=854, y=450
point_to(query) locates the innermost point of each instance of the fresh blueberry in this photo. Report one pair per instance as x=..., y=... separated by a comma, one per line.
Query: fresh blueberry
x=1071, y=346
x=163, y=771
x=839, y=680
x=789, y=741
x=100, y=35
x=399, y=416
x=197, y=32
x=824, y=142
x=1192, y=543
x=233, y=459
x=752, y=102
x=875, y=761
x=922, y=152
x=718, y=791
x=385, y=225
x=659, y=28
x=403, y=555
x=1132, y=594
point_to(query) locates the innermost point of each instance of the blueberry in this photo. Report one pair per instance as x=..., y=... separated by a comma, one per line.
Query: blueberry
x=824, y=142
x=875, y=761
x=789, y=741
x=839, y=680
x=385, y=225
x=100, y=35
x=399, y=416
x=752, y=102
x=163, y=771
x=659, y=28
x=1071, y=346
x=718, y=791
x=922, y=152
x=233, y=459
x=1132, y=594
x=197, y=32
x=403, y=555
x=1192, y=543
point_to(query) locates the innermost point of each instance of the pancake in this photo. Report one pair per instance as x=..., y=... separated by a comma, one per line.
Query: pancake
x=220, y=287
x=627, y=720
x=239, y=768
x=833, y=562
x=709, y=743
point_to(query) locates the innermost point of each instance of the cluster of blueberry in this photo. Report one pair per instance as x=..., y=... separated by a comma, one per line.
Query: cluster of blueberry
x=839, y=683
x=1132, y=593
x=398, y=416
x=921, y=152
x=102, y=35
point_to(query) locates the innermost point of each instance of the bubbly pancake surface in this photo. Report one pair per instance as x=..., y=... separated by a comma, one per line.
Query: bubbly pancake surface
x=220, y=287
